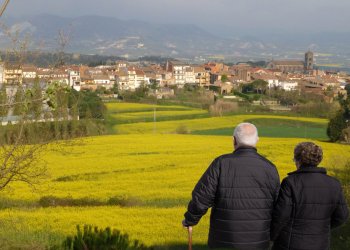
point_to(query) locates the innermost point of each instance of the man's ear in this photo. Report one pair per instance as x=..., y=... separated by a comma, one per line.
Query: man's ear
x=234, y=141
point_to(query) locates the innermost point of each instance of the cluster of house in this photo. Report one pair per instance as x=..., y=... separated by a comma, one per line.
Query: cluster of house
x=287, y=75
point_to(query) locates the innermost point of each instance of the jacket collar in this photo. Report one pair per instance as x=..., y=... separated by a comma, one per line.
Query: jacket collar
x=245, y=149
x=308, y=169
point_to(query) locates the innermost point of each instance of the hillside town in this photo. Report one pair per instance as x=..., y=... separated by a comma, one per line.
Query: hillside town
x=288, y=75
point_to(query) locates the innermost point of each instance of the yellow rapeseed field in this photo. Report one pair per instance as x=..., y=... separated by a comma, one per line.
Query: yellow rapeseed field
x=158, y=172
x=155, y=115
x=147, y=164
x=135, y=107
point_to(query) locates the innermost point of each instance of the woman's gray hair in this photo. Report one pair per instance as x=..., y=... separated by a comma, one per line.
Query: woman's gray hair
x=246, y=134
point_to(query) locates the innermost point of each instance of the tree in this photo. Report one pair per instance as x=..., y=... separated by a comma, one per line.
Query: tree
x=224, y=78
x=90, y=105
x=340, y=121
x=347, y=88
x=335, y=126
x=259, y=86
x=19, y=99
x=3, y=99
x=154, y=85
x=115, y=89
x=36, y=100
x=23, y=143
x=345, y=105
x=136, y=95
x=45, y=119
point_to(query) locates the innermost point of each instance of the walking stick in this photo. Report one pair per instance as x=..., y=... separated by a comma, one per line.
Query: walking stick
x=190, y=238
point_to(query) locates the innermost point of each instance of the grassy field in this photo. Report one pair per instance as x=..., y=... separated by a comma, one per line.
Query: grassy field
x=150, y=175
x=277, y=128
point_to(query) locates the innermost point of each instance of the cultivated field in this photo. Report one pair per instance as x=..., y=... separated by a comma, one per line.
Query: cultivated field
x=140, y=180
x=144, y=119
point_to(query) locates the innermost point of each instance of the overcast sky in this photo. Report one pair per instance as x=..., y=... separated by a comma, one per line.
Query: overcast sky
x=230, y=15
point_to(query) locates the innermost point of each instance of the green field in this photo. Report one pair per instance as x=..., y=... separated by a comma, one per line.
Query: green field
x=278, y=128
x=149, y=169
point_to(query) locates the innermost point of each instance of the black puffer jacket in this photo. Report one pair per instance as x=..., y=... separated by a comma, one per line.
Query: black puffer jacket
x=241, y=188
x=310, y=203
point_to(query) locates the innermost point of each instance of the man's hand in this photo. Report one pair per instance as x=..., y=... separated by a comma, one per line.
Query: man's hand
x=185, y=224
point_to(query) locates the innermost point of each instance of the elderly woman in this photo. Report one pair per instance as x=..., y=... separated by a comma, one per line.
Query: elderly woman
x=309, y=204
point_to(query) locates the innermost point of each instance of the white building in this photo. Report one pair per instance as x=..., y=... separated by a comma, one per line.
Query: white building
x=141, y=78
x=135, y=78
x=103, y=81
x=29, y=72
x=178, y=70
x=202, y=77
x=13, y=74
x=74, y=78
x=273, y=82
x=121, y=79
x=132, y=83
x=190, y=76
x=288, y=85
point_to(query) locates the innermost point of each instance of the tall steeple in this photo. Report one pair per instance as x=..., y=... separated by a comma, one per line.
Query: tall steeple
x=309, y=60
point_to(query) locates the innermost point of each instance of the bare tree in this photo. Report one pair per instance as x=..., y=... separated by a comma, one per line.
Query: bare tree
x=34, y=119
x=3, y=7
x=62, y=41
x=29, y=134
x=21, y=161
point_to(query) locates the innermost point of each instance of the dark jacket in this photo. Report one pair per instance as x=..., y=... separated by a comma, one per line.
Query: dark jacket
x=310, y=203
x=241, y=188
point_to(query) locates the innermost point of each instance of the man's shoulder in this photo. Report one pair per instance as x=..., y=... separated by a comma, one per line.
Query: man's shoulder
x=225, y=156
x=263, y=158
x=253, y=155
x=222, y=158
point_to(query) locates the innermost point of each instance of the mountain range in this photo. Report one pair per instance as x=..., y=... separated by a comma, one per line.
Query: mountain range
x=133, y=38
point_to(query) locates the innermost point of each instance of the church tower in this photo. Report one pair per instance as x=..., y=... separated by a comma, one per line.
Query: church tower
x=309, y=60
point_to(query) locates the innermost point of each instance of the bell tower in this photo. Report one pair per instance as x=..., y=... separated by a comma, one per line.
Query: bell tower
x=309, y=60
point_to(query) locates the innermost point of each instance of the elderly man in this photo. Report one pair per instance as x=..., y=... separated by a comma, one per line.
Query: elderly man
x=241, y=188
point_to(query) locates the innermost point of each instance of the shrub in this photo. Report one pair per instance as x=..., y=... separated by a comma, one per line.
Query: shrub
x=124, y=201
x=92, y=238
x=221, y=107
x=245, y=96
x=52, y=201
x=182, y=129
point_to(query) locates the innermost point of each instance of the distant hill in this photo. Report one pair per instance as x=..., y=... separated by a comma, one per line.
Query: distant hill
x=115, y=37
x=106, y=35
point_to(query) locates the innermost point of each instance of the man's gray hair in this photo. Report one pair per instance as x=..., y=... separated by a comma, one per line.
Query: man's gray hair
x=246, y=134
